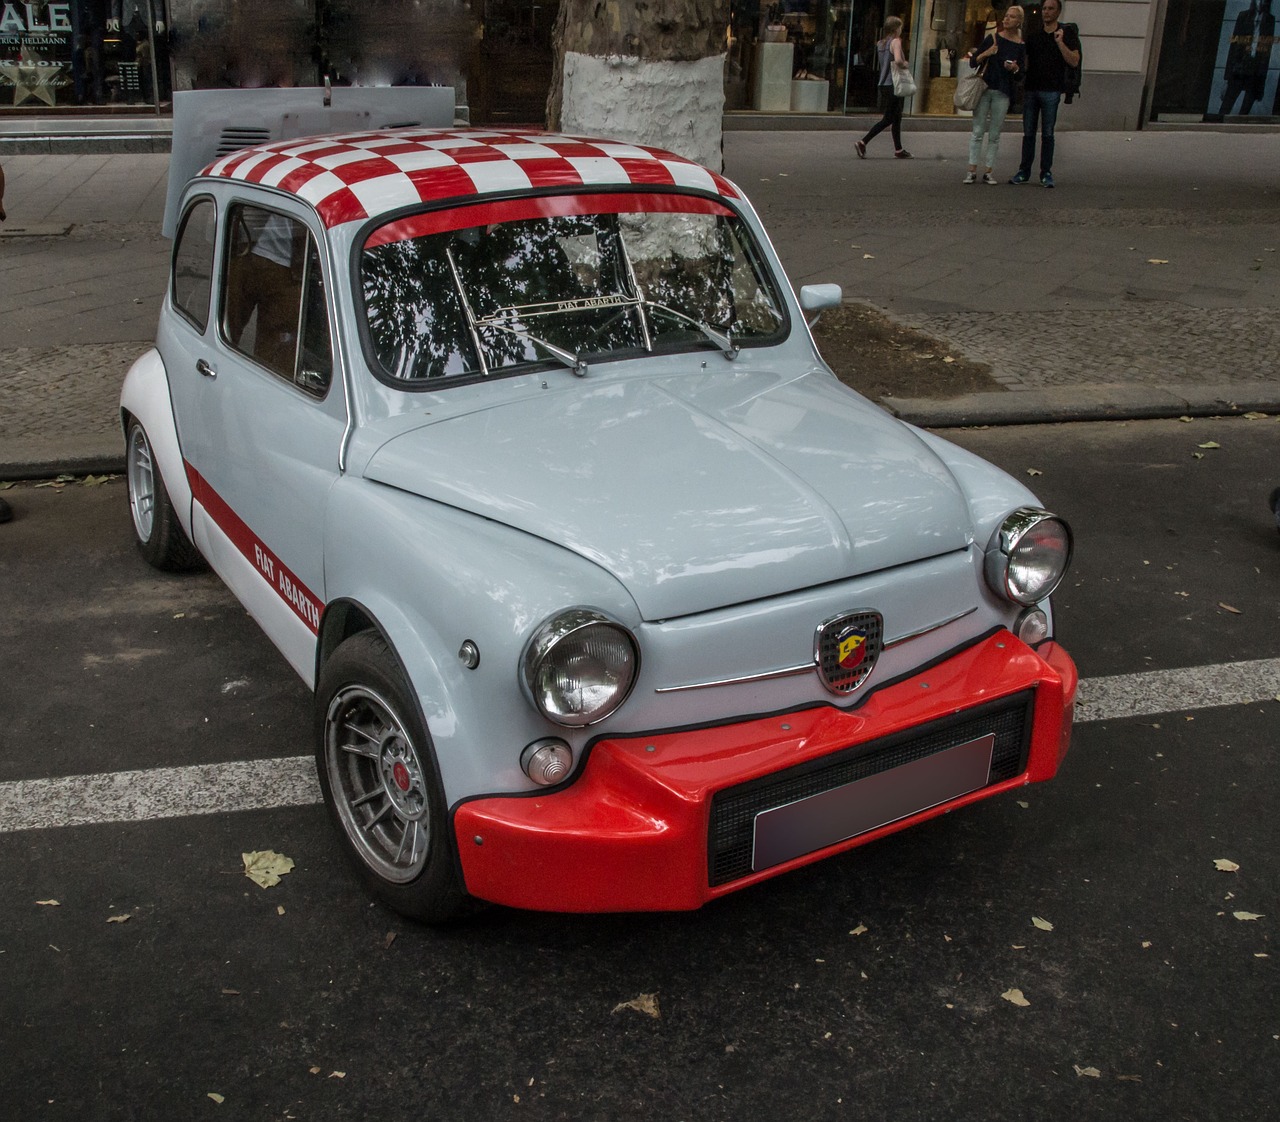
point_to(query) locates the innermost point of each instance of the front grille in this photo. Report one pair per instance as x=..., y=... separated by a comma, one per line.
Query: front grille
x=733, y=811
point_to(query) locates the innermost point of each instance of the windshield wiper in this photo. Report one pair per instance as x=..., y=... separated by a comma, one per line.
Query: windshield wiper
x=571, y=360
x=719, y=338
x=474, y=323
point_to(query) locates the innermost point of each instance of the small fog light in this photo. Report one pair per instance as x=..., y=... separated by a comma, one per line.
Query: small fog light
x=546, y=761
x=1032, y=627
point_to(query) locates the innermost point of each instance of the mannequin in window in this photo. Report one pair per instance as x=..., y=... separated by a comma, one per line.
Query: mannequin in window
x=146, y=22
x=88, y=23
x=1248, y=57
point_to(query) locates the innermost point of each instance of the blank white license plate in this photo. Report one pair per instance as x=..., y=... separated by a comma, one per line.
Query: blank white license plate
x=865, y=804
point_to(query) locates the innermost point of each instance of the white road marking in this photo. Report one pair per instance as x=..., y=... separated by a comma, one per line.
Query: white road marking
x=174, y=792
x=1172, y=691
x=164, y=792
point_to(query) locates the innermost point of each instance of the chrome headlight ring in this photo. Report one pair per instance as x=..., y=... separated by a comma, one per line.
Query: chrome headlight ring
x=1028, y=556
x=579, y=666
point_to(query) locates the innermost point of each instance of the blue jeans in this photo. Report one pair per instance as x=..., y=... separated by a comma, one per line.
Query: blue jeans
x=1038, y=107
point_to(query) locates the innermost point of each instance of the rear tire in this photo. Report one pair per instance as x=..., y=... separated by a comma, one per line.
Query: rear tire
x=161, y=539
x=373, y=755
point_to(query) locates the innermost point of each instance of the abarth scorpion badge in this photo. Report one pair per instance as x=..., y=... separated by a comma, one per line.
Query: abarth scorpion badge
x=846, y=649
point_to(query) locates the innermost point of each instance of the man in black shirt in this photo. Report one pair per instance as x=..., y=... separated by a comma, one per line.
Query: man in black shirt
x=1050, y=51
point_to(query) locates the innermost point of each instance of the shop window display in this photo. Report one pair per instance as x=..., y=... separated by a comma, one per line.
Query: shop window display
x=951, y=30
x=83, y=53
x=832, y=44
x=821, y=55
x=1218, y=61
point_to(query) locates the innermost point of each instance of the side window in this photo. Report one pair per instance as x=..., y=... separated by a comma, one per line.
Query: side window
x=192, y=282
x=274, y=308
x=315, y=363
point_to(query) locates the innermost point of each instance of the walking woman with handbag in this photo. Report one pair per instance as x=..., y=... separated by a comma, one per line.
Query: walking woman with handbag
x=896, y=85
x=1003, y=57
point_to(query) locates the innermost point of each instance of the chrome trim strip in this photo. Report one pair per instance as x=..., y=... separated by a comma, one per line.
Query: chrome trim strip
x=932, y=627
x=789, y=672
x=808, y=667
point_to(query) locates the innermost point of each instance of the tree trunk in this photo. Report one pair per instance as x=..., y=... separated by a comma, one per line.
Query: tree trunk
x=647, y=71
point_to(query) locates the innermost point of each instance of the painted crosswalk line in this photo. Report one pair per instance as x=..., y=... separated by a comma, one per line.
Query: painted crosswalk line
x=172, y=792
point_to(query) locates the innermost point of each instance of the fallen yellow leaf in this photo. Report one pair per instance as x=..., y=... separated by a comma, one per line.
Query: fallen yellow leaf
x=1226, y=865
x=1209, y=444
x=1043, y=924
x=1015, y=997
x=1229, y=608
x=1247, y=915
x=265, y=867
x=216, y=1097
x=1091, y=1072
x=646, y=1003
x=123, y=918
x=49, y=903
x=1157, y=261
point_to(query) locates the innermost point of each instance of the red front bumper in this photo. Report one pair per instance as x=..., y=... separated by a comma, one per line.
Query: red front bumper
x=631, y=833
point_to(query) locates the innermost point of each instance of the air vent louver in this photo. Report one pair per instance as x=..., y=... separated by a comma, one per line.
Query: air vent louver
x=233, y=138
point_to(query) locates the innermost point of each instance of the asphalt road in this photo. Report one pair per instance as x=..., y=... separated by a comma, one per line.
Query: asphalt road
x=867, y=987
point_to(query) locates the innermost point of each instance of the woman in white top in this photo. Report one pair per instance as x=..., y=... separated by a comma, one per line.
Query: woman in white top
x=891, y=56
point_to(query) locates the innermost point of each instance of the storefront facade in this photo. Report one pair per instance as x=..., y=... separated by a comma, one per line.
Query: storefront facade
x=1145, y=60
x=833, y=42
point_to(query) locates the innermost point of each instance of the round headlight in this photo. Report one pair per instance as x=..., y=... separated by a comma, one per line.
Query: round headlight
x=579, y=667
x=1028, y=556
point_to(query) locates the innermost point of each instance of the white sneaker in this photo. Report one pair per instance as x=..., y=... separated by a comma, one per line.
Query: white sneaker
x=989, y=179
x=971, y=177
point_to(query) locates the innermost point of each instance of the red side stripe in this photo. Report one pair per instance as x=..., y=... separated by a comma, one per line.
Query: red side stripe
x=305, y=604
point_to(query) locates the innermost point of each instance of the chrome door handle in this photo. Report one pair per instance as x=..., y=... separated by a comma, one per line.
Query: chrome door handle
x=202, y=367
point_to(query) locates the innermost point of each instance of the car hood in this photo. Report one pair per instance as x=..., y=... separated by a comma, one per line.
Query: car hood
x=697, y=491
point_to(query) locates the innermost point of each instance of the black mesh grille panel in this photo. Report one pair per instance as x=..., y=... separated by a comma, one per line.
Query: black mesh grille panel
x=733, y=811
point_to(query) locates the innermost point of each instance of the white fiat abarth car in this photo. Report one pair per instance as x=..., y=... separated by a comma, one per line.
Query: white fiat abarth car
x=612, y=597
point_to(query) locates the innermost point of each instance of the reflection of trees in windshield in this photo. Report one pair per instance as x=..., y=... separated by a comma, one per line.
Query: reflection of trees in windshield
x=415, y=313
x=541, y=276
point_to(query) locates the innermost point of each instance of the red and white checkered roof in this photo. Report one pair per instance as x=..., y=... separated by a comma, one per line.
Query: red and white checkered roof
x=358, y=175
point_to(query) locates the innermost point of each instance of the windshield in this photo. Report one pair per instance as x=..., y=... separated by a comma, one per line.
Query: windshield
x=505, y=285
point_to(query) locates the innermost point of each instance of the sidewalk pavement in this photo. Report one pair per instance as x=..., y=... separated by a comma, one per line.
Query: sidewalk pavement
x=1146, y=284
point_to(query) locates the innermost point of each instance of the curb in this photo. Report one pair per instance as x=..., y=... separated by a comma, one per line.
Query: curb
x=1098, y=402
x=104, y=455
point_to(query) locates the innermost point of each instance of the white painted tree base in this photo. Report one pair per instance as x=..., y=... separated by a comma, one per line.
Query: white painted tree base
x=672, y=105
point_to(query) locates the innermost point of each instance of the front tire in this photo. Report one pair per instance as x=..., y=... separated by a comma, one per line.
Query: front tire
x=161, y=539
x=380, y=783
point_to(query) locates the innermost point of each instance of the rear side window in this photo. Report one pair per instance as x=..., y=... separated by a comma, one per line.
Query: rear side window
x=193, y=263
x=275, y=309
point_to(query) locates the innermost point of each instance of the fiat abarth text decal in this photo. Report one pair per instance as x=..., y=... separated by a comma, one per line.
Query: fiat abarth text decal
x=305, y=605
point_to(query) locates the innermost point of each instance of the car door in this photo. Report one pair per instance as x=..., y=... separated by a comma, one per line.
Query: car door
x=262, y=419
